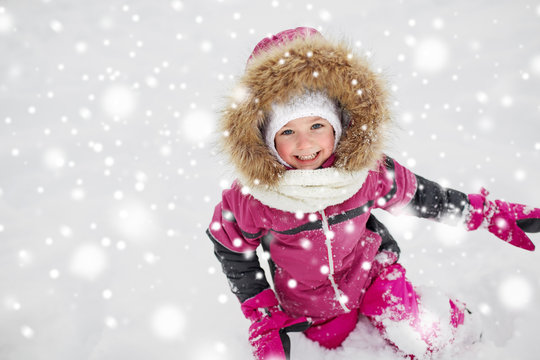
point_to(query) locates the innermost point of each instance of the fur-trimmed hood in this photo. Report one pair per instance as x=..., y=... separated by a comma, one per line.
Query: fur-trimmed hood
x=305, y=62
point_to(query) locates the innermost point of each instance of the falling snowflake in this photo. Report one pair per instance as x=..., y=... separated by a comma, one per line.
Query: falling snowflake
x=515, y=292
x=197, y=125
x=431, y=55
x=88, y=261
x=168, y=322
x=119, y=101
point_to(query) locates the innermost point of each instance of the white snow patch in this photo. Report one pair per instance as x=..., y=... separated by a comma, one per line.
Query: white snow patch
x=27, y=332
x=507, y=101
x=88, y=261
x=135, y=221
x=431, y=55
x=325, y=15
x=206, y=46
x=515, y=292
x=177, y=5
x=168, y=322
x=535, y=64
x=54, y=158
x=56, y=26
x=25, y=258
x=486, y=123
x=6, y=22
x=520, y=175
x=482, y=97
x=450, y=235
x=198, y=125
x=119, y=101
x=438, y=23
x=111, y=322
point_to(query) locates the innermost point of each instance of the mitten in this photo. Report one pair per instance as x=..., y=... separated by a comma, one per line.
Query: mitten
x=507, y=221
x=269, y=326
x=382, y=260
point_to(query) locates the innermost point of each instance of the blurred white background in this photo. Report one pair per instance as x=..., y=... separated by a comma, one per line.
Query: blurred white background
x=109, y=172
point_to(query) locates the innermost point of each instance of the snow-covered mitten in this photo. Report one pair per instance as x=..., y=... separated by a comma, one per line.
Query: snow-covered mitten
x=507, y=221
x=382, y=260
x=269, y=326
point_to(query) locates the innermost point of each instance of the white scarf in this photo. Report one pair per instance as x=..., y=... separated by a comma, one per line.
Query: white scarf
x=308, y=191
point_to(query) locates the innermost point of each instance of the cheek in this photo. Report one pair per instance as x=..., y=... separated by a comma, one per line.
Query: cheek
x=329, y=142
x=283, y=147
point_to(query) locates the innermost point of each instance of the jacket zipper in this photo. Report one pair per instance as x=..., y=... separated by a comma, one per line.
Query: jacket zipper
x=340, y=297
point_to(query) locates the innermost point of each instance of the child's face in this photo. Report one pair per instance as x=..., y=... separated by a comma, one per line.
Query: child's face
x=305, y=143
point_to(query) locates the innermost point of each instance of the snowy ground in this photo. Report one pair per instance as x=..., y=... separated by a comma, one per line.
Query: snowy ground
x=109, y=179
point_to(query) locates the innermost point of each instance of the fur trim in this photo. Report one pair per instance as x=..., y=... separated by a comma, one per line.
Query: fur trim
x=288, y=70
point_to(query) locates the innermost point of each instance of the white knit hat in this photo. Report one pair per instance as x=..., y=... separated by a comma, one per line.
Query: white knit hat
x=310, y=103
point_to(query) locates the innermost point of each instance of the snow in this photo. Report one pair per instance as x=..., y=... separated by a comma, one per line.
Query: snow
x=515, y=292
x=198, y=125
x=535, y=64
x=431, y=55
x=88, y=261
x=452, y=235
x=168, y=322
x=110, y=170
x=118, y=101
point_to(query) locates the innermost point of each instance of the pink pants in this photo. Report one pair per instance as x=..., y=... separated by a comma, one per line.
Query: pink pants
x=394, y=307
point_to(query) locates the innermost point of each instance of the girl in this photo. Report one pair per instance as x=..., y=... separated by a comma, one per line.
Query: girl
x=306, y=138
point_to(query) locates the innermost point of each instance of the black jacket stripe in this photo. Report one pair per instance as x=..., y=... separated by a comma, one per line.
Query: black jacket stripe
x=312, y=225
x=250, y=235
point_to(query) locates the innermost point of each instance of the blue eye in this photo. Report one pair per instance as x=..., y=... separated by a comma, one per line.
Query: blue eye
x=316, y=126
x=287, y=132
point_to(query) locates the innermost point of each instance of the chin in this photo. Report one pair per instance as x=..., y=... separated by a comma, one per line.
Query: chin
x=307, y=167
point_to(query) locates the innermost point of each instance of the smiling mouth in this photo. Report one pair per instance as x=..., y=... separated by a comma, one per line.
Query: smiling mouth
x=308, y=157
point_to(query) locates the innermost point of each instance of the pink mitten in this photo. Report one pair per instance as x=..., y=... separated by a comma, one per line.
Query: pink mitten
x=381, y=261
x=269, y=328
x=507, y=221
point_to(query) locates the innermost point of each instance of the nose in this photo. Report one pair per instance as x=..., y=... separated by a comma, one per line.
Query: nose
x=303, y=141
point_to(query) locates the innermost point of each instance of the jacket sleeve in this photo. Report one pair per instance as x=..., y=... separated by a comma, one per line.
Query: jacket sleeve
x=236, y=235
x=432, y=201
x=396, y=186
x=406, y=192
x=388, y=243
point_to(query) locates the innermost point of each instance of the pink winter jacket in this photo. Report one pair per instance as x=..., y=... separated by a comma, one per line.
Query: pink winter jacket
x=321, y=261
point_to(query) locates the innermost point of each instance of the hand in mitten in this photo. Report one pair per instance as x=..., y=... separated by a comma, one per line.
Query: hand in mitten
x=382, y=260
x=269, y=328
x=507, y=221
